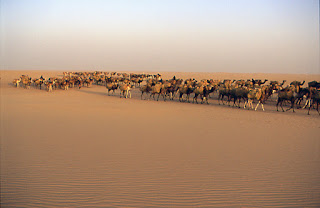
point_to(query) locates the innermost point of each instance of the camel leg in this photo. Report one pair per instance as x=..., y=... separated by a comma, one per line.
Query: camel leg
x=281, y=106
x=234, y=102
x=174, y=95
x=305, y=105
x=257, y=106
x=247, y=104
x=309, y=109
x=262, y=106
x=228, y=100
x=290, y=107
x=310, y=103
x=181, y=97
x=207, y=100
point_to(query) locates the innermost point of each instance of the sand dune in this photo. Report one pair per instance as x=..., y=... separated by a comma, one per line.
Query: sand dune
x=80, y=148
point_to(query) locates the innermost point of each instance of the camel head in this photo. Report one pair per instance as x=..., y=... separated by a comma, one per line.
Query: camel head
x=283, y=82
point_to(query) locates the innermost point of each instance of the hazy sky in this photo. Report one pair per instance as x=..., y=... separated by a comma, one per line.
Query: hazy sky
x=161, y=35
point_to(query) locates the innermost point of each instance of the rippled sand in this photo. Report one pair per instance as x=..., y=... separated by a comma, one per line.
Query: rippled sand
x=82, y=148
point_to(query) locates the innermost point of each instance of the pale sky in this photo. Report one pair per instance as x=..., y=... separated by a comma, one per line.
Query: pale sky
x=267, y=36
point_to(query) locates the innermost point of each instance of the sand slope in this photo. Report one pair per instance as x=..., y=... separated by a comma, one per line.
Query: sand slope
x=81, y=148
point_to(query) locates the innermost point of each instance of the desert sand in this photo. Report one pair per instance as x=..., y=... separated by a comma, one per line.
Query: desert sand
x=83, y=148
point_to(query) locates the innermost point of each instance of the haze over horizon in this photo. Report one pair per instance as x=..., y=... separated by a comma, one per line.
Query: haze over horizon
x=148, y=35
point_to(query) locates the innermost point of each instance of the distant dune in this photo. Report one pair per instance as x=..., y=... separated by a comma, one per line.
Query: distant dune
x=82, y=147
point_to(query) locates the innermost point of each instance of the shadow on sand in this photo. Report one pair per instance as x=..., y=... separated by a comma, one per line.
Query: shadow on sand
x=94, y=92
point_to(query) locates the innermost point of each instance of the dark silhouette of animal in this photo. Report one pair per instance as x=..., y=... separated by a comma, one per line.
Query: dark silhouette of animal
x=315, y=96
x=258, y=81
x=314, y=84
x=145, y=89
x=287, y=94
x=237, y=94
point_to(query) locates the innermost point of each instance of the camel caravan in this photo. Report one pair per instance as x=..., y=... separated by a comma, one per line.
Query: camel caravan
x=228, y=92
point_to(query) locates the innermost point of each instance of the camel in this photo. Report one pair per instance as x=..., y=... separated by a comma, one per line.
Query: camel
x=204, y=91
x=262, y=95
x=112, y=86
x=290, y=94
x=198, y=91
x=38, y=82
x=88, y=82
x=252, y=94
x=297, y=85
x=185, y=89
x=158, y=89
x=79, y=82
x=315, y=96
x=240, y=82
x=170, y=91
x=145, y=89
x=125, y=89
x=137, y=81
x=227, y=83
x=303, y=93
x=238, y=94
x=274, y=83
x=314, y=84
x=223, y=91
x=64, y=84
x=259, y=82
x=26, y=83
x=16, y=82
x=49, y=85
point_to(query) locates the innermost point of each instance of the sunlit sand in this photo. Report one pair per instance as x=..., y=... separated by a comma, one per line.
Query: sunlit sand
x=81, y=147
